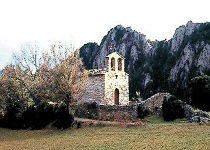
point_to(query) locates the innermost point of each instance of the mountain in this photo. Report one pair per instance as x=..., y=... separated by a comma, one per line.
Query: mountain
x=156, y=66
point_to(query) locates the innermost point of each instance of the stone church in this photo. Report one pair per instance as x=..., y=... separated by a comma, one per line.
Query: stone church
x=108, y=86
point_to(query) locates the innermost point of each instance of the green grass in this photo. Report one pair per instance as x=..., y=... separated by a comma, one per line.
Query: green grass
x=156, y=134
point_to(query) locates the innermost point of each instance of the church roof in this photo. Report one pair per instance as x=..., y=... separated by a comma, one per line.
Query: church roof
x=110, y=55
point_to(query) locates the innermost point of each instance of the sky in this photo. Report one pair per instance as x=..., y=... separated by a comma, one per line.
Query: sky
x=83, y=21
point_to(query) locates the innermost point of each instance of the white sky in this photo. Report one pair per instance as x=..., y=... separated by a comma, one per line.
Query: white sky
x=82, y=21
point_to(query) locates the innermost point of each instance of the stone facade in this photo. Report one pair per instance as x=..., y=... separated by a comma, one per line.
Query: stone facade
x=109, y=86
x=94, y=92
x=116, y=81
x=118, y=113
x=106, y=112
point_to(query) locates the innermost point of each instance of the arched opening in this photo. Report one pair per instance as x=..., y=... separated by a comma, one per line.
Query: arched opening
x=113, y=64
x=116, y=97
x=107, y=63
x=119, y=64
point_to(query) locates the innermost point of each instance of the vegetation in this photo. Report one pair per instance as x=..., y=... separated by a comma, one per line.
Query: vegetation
x=35, y=79
x=155, y=135
x=87, y=53
x=87, y=110
x=201, y=34
x=172, y=109
x=38, y=117
x=200, y=92
x=119, y=34
x=142, y=111
x=161, y=64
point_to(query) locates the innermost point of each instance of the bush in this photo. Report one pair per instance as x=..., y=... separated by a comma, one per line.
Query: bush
x=172, y=109
x=200, y=92
x=142, y=111
x=28, y=118
x=63, y=118
x=12, y=116
x=38, y=117
x=87, y=110
x=45, y=113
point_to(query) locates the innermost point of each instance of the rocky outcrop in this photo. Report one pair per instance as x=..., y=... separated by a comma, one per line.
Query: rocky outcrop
x=129, y=43
x=88, y=52
x=156, y=66
x=181, y=33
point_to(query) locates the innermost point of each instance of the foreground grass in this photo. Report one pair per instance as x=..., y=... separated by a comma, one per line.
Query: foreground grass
x=154, y=135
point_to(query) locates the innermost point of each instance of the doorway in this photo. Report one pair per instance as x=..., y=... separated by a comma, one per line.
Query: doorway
x=116, y=97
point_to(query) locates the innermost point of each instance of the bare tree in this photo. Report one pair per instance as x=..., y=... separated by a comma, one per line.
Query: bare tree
x=68, y=73
x=55, y=75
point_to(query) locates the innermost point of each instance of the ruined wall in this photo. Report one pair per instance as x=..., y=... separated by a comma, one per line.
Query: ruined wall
x=95, y=89
x=117, y=113
x=155, y=102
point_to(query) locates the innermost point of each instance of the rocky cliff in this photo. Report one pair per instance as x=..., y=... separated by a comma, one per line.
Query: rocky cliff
x=156, y=66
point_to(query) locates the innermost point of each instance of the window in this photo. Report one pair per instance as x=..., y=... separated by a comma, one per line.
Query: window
x=113, y=64
x=107, y=63
x=119, y=64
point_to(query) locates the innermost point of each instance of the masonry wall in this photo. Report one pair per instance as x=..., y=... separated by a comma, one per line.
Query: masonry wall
x=118, y=113
x=155, y=102
x=116, y=80
x=95, y=89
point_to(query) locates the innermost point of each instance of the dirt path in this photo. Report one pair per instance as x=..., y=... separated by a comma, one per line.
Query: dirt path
x=91, y=122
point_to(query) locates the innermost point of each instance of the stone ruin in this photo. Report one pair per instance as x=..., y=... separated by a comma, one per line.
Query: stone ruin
x=154, y=103
x=154, y=106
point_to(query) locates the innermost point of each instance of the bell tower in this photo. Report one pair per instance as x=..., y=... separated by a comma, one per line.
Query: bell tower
x=115, y=62
x=116, y=80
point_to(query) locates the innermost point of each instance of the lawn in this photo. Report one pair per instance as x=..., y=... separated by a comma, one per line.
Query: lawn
x=156, y=134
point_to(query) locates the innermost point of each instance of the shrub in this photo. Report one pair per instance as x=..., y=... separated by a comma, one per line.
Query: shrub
x=142, y=111
x=87, y=110
x=28, y=117
x=63, y=118
x=12, y=116
x=38, y=117
x=172, y=109
x=45, y=113
x=200, y=92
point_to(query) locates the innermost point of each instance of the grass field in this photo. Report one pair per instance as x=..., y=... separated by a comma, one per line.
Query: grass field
x=156, y=134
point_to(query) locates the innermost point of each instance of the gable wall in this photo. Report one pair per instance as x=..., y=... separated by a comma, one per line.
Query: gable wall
x=95, y=89
x=121, y=83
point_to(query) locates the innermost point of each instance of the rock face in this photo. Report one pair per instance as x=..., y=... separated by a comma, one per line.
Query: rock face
x=181, y=33
x=155, y=66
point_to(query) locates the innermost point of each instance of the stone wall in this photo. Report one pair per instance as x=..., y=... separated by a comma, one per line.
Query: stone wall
x=116, y=80
x=154, y=103
x=118, y=113
x=95, y=90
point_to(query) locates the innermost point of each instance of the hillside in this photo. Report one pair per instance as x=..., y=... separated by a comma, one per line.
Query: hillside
x=156, y=66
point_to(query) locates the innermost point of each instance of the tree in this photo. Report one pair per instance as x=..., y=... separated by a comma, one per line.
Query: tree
x=11, y=99
x=26, y=63
x=55, y=75
x=36, y=78
x=67, y=74
x=200, y=92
